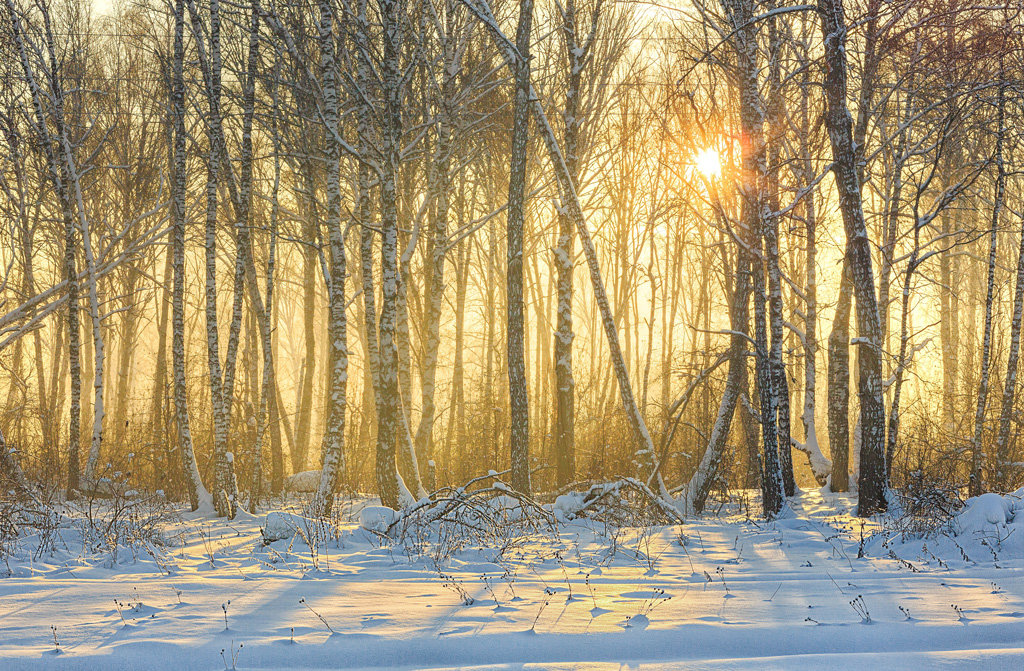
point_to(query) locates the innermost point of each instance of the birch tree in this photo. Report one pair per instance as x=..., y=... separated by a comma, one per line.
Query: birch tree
x=389, y=407
x=333, y=445
x=519, y=418
x=62, y=178
x=976, y=481
x=871, y=484
x=198, y=496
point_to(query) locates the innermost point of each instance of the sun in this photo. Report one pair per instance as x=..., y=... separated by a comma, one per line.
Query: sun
x=708, y=162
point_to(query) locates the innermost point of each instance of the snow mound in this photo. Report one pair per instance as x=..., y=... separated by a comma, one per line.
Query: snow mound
x=305, y=482
x=988, y=530
x=566, y=506
x=377, y=519
x=990, y=513
x=281, y=525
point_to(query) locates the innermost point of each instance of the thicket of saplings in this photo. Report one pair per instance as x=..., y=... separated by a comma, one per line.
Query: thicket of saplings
x=140, y=496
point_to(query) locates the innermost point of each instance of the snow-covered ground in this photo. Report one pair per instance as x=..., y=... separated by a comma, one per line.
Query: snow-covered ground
x=721, y=592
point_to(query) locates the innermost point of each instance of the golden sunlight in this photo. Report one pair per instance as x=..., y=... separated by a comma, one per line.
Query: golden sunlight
x=708, y=162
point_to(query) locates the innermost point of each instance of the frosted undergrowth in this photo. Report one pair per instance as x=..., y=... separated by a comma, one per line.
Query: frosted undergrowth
x=112, y=532
x=988, y=530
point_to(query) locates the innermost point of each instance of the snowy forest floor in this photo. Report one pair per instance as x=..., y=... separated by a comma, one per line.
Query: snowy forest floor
x=720, y=592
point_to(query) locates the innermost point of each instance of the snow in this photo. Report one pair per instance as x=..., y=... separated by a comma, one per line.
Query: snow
x=565, y=504
x=720, y=592
x=281, y=525
x=988, y=530
x=376, y=518
x=985, y=512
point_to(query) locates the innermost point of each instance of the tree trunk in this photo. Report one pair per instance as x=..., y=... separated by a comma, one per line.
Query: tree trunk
x=304, y=410
x=776, y=316
x=976, y=483
x=699, y=486
x=59, y=174
x=1003, y=468
x=225, y=486
x=871, y=484
x=519, y=418
x=389, y=423
x=437, y=241
x=565, y=383
x=333, y=445
x=198, y=496
x=821, y=467
x=839, y=384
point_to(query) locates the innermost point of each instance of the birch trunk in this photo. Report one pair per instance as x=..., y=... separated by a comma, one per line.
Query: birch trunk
x=1003, y=468
x=197, y=494
x=871, y=484
x=262, y=308
x=333, y=444
x=565, y=383
x=225, y=493
x=66, y=155
x=949, y=299
x=776, y=315
x=364, y=217
x=757, y=232
x=901, y=361
x=696, y=493
x=74, y=361
x=839, y=384
x=408, y=463
x=389, y=423
x=949, y=315
x=839, y=338
x=519, y=418
x=304, y=421
x=457, y=407
x=57, y=169
x=772, y=485
x=270, y=387
x=976, y=482
x=821, y=466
